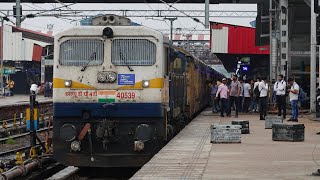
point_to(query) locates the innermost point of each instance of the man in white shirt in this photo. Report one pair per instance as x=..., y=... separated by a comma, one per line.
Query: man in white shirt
x=34, y=89
x=247, y=96
x=255, y=98
x=263, y=88
x=294, y=96
x=280, y=87
x=241, y=96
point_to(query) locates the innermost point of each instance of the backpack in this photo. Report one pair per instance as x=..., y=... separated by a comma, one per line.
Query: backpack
x=301, y=96
x=256, y=91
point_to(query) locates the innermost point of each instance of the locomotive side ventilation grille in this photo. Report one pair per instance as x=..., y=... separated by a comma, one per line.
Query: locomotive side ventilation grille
x=133, y=52
x=81, y=52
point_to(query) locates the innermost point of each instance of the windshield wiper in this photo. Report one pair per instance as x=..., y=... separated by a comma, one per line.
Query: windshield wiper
x=91, y=58
x=124, y=60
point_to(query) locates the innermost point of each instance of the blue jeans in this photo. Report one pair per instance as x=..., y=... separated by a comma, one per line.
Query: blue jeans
x=254, y=104
x=214, y=103
x=295, y=110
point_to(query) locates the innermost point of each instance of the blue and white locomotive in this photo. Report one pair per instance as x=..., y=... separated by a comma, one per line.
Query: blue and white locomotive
x=121, y=92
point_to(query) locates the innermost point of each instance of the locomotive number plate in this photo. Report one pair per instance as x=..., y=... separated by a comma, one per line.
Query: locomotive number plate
x=126, y=95
x=122, y=95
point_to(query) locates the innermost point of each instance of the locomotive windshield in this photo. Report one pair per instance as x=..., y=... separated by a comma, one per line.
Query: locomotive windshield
x=81, y=52
x=133, y=52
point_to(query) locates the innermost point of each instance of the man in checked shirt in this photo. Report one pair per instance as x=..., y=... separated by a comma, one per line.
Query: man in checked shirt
x=223, y=93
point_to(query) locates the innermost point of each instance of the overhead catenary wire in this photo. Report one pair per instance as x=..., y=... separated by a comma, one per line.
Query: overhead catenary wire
x=193, y=18
x=67, y=6
x=57, y=8
x=5, y=17
x=153, y=18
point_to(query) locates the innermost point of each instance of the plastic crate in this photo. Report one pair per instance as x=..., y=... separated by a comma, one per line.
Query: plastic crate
x=225, y=134
x=272, y=120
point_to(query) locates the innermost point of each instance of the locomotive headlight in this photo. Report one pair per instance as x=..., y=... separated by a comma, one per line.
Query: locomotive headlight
x=75, y=146
x=111, y=77
x=145, y=83
x=67, y=83
x=102, y=77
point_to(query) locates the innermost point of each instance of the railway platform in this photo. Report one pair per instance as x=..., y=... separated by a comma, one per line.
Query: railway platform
x=190, y=155
x=21, y=100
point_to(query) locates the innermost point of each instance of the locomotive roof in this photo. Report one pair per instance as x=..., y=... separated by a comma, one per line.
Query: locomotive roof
x=117, y=30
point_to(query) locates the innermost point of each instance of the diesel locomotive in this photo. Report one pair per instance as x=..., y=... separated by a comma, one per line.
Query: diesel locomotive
x=120, y=92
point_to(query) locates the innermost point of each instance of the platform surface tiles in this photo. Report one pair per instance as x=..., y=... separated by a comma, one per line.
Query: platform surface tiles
x=190, y=155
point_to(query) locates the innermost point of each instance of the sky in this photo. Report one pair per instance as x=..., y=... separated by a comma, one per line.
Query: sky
x=59, y=24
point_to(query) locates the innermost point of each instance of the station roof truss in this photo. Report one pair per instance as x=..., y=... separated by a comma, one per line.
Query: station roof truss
x=82, y=13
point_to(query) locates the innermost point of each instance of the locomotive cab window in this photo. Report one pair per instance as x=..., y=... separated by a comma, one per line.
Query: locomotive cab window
x=81, y=52
x=133, y=52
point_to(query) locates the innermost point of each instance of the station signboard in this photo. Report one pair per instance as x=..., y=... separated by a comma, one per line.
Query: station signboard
x=9, y=70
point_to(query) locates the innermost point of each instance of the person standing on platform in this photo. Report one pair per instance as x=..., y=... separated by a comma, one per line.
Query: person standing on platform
x=46, y=89
x=294, y=97
x=280, y=88
x=234, y=94
x=247, y=96
x=256, y=96
x=263, y=88
x=241, y=96
x=34, y=88
x=214, y=89
x=222, y=93
x=50, y=91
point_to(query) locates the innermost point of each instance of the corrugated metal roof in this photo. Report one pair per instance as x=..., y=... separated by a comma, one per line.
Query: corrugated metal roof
x=37, y=52
x=38, y=36
x=239, y=39
x=19, y=48
x=220, y=39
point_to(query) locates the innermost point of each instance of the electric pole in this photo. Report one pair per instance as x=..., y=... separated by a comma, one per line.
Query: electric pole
x=206, y=16
x=171, y=26
x=313, y=59
x=270, y=40
x=18, y=13
x=1, y=56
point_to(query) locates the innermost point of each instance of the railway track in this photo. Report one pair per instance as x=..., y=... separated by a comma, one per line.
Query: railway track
x=3, y=140
x=13, y=151
x=19, y=121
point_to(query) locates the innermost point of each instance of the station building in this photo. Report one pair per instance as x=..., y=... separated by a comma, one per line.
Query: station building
x=235, y=46
x=26, y=57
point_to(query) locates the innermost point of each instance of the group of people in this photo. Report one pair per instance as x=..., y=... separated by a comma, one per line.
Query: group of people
x=252, y=96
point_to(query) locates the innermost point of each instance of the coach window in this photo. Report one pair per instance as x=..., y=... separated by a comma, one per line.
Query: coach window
x=133, y=52
x=81, y=52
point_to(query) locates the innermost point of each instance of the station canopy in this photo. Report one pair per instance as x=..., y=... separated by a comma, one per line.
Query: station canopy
x=134, y=1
